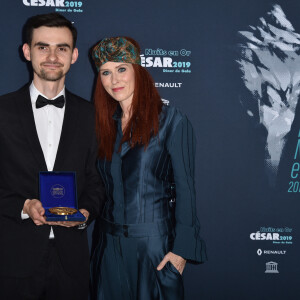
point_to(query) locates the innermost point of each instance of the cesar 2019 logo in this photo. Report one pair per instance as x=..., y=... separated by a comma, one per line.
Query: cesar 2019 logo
x=171, y=61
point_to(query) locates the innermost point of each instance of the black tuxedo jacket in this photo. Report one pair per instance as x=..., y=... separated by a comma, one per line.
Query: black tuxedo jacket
x=21, y=159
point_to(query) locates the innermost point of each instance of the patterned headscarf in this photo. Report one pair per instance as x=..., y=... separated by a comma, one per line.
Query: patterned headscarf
x=116, y=49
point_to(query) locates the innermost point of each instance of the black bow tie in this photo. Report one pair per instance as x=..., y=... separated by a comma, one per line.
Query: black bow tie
x=42, y=101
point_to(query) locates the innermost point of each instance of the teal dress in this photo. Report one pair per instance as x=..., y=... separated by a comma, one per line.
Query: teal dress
x=151, y=210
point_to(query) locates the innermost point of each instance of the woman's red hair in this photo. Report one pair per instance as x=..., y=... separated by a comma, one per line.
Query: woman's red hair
x=145, y=109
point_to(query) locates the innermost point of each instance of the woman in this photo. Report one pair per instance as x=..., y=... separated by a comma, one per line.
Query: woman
x=146, y=153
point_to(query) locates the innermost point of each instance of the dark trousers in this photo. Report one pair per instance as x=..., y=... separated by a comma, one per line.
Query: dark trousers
x=50, y=282
x=124, y=263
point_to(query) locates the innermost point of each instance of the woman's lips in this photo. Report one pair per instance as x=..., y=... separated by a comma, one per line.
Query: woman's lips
x=117, y=89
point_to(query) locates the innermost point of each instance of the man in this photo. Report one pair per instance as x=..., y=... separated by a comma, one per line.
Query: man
x=45, y=128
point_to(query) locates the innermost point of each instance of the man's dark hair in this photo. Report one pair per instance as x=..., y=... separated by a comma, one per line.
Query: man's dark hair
x=48, y=20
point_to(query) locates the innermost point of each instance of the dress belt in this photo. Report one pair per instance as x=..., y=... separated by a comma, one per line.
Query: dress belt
x=159, y=228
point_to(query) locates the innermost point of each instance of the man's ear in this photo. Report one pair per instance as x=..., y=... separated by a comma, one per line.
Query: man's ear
x=74, y=55
x=26, y=51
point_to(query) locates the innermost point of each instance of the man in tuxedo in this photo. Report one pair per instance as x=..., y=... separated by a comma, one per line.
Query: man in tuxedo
x=44, y=127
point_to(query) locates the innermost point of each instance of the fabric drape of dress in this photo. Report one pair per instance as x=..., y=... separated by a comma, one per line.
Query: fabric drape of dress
x=142, y=221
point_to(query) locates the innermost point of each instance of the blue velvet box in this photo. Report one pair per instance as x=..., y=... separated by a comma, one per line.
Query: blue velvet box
x=58, y=189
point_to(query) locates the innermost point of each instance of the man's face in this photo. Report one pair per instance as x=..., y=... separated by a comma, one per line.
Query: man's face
x=51, y=52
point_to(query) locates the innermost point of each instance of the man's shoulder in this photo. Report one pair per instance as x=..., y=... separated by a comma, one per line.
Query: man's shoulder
x=83, y=103
x=6, y=98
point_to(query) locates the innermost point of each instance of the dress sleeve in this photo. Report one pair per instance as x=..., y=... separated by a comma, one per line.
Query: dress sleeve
x=188, y=243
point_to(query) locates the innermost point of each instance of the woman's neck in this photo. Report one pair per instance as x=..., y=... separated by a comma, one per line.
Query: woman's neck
x=126, y=112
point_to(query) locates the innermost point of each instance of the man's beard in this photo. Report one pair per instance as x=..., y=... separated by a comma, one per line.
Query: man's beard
x=43, y=74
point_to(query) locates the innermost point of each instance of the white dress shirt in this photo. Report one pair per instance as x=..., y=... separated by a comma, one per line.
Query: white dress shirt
x=48, y=122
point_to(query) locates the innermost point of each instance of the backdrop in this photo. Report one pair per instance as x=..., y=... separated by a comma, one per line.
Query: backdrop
x=233, y=67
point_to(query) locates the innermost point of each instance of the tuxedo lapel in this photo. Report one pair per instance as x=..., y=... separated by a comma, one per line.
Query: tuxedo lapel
x=68, y=130
x=24, y=109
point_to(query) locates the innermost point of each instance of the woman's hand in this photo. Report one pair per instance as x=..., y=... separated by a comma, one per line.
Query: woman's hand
x=177, y=261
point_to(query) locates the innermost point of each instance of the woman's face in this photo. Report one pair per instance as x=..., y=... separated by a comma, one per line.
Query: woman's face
x=118, y=80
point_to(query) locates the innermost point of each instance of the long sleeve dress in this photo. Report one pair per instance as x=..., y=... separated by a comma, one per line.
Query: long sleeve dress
x=150, y=211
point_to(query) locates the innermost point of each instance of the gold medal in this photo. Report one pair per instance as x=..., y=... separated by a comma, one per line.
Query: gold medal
x=62, y=211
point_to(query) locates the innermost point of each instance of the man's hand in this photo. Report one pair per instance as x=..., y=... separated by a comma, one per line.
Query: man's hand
x=35, y=210
x=177, y=261
x=71, y=223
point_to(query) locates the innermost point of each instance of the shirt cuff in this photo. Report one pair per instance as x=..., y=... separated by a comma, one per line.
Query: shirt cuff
x=188, y=243
x=24, y=216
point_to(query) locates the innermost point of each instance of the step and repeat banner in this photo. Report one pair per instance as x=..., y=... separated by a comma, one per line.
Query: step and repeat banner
x=233, y=67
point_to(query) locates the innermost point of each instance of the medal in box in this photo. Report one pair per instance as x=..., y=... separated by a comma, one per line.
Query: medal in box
x=58, y=194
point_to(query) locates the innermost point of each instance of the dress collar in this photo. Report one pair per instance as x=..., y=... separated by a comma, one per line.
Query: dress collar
x=118, y=113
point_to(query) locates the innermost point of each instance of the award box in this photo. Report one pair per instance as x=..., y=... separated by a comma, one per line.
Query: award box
x=58, y=189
